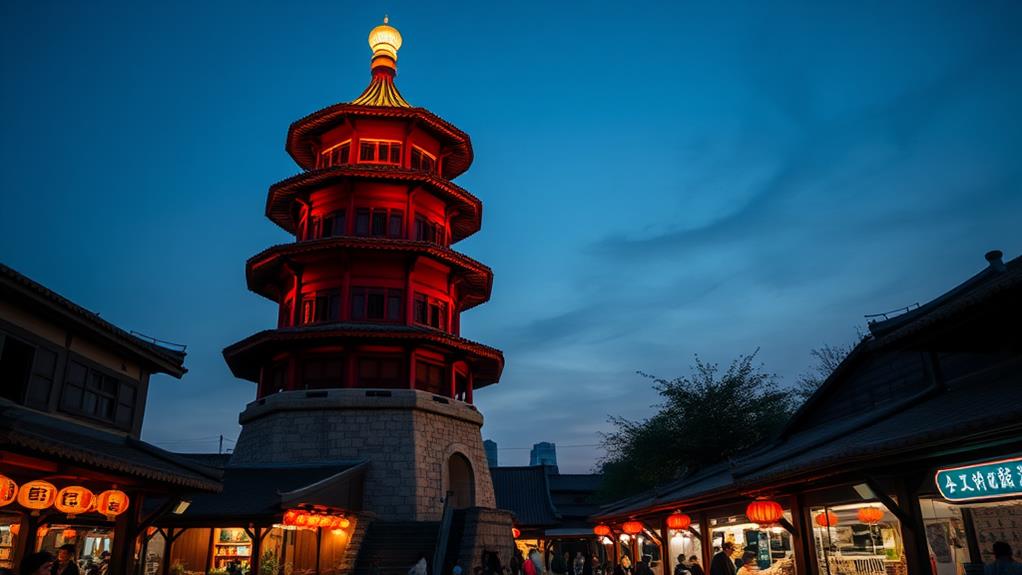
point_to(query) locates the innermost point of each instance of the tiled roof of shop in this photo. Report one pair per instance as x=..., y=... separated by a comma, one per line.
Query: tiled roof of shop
x=524, y=491
x=167, y=360
x=255, y=491
x=26, y=430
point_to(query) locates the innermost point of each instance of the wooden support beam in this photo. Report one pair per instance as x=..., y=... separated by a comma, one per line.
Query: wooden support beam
x=913, y=532
x=665, y=547
x=787, y=525
x=888, y=502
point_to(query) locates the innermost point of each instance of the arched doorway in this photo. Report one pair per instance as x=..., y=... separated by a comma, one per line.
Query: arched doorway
x=461, y=482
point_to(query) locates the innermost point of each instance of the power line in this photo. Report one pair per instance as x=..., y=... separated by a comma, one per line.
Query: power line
x=559, y=446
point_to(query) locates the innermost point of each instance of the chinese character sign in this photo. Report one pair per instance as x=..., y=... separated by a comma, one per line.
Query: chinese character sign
x=981, y=481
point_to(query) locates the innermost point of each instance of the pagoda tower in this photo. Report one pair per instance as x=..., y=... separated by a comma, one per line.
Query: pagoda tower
x=367, y=362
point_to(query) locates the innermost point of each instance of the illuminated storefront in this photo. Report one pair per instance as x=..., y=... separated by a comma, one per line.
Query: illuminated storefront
x=906, y=461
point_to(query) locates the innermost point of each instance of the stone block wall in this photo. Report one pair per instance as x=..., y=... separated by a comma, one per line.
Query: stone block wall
x=485, y=530
x=406, y=435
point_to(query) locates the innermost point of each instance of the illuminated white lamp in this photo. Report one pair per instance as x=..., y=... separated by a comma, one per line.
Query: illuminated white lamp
x=624, y=538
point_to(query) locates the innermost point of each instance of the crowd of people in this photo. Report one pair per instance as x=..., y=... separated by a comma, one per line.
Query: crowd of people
x=532, y=563
x=64, y=563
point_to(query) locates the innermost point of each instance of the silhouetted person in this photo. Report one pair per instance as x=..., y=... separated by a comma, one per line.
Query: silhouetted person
x=65, y=564
x=722, y=563
x=642, y=567
x=1004, y=563
x=37, y=564
x=694, y=567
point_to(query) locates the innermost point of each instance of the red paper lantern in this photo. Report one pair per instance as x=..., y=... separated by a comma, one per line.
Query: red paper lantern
x=112, y=503
x=764, y=512
x=871, y=515
x=601, y=530
x=344, y=523
x=301, y=519
x=74, y=500
x=8, y=490
x=678, y=521
x=290, y=516
x=36, y=495
x=826, y=519
x=515, y=532
x=632, y=527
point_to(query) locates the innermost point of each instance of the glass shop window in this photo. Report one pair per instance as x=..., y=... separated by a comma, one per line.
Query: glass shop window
x=948, y=538
x=379, y=152
x=335, y=155
x=765, y=547
x=857, y=538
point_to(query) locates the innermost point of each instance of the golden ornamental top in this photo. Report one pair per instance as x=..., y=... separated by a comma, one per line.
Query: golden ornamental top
x=385, y=41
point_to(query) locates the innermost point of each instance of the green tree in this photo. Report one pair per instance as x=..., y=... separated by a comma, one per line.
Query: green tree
x=825, y=361
x=706, y=417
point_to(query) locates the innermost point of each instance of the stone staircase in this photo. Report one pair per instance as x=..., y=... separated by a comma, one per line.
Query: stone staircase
x=397, y=546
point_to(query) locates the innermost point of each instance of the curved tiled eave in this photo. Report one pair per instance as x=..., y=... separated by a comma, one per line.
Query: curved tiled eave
x=303, y=134
x=248, y=355
x=263, y=269
x=281, y=198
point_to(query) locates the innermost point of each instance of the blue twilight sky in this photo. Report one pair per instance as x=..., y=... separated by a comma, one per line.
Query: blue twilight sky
x=659, y=180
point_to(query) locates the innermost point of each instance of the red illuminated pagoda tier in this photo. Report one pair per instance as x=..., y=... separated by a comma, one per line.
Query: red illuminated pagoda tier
x=371, y=293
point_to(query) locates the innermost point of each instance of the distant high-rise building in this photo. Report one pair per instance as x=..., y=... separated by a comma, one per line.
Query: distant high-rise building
x=491, y=452
x=543, y=453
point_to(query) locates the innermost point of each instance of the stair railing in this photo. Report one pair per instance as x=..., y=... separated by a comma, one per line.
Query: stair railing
x=445, y=532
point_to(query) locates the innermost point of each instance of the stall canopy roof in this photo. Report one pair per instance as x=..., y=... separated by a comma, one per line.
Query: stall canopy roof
x=30, y=432
x=265, y=491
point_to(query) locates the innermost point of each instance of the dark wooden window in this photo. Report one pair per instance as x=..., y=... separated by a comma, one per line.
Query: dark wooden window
x=333, y=225
x=379, y=223
x=335, y=156
x=380, y=152
x=278, y=377
x=322, y=306
x=427, y=230
x=97, y=394
x=26, y=371
x=422, y=160
x=430, y=377
x=325, y=372
x=376, y=304
x=430, y=312
x=381, y=371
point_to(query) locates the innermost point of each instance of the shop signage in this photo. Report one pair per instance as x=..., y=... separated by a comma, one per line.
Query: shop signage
x=988, y=480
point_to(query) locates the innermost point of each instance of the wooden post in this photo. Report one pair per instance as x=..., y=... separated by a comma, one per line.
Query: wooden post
x=706, y=541
x=122, y=555
x=168, y=547
x=319, y=547
x=802, y=537
x=665, y=546
x=913, y=532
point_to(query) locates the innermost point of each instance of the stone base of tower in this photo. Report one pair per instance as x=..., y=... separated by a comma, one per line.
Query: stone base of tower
x=477, y=532
x=419, y=446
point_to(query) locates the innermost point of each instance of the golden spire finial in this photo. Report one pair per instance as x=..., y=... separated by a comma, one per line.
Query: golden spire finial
x=385, y=41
